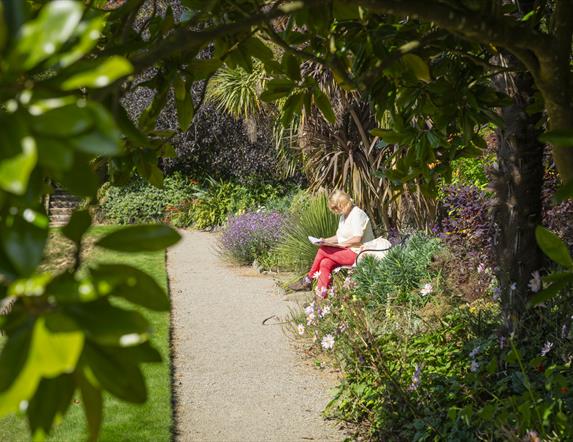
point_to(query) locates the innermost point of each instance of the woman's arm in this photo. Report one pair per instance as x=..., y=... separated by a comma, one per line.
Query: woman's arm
x=331, y=240
x=355, y=241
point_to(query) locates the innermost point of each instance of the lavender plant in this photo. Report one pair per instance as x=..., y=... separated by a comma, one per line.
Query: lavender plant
x=252, y=235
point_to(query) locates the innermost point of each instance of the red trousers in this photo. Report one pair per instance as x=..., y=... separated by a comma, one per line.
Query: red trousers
x=326, y=260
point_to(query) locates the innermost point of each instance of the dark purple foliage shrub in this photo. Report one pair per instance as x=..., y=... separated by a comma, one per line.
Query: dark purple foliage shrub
x=252, y=235
x=557, y=217
x=466, y=227
x=466, y=223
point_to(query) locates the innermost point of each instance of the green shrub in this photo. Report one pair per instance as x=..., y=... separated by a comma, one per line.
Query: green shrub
x=453, y=376
x=219, y=199
x=140, y=202
x=400, y=273
x=295, y=252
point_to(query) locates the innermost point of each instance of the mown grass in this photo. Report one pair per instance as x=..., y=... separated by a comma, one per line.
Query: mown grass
x=122, y=421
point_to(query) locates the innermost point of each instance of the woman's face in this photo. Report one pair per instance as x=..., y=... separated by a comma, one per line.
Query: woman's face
x=340, y=209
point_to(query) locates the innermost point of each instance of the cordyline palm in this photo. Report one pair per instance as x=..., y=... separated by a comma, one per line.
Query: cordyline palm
x=236, y=92
x=344, y=155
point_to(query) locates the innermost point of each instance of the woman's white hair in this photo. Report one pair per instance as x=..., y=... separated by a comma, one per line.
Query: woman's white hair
x=340, y=200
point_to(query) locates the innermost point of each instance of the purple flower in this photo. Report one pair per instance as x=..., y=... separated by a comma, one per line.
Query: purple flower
x=252, y=234
x=416, y=378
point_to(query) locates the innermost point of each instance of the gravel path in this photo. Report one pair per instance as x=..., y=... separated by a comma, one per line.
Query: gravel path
x=235, y=379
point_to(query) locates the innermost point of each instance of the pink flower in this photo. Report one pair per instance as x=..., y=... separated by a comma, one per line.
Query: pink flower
x=427, y=289
x=327, y=342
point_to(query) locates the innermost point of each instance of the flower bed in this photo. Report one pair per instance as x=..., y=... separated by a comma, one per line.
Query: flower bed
x=252, y=235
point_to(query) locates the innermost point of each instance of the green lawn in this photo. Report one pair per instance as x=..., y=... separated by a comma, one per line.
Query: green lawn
x=122, y=421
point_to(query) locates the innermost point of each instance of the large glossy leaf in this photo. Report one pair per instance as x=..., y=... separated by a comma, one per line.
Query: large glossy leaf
x=553, y=247
x=140, y=238
x=80, y=180
x=183, y=103
x=42, y=37
x=132, y=284
x=65, y=121
x=277, y=88
x=50, y=355
x=560, y=137
x=564, y=192
x=202, y=69
x=97, y=73
x=18, y=153
x=55, y=353
x=323, y=103
x=88, y=34
x=14, y=355
x=110, y=325
x=93, y=405
x=78, y=225
x=55, y=153
x=417, y=66
x=121, y=378
x=49, y=403
x=23, y=243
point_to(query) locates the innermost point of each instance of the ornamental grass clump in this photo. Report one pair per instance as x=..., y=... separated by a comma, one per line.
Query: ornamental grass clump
x=252, y=236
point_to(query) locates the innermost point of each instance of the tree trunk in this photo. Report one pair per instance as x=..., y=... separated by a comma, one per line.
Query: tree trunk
x=517, y=185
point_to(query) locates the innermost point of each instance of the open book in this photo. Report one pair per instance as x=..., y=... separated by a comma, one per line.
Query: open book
x=314, y=240
x=318, y=242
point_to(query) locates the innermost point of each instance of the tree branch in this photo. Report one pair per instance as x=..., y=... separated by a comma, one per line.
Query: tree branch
x=501, y=31
x=563, y=28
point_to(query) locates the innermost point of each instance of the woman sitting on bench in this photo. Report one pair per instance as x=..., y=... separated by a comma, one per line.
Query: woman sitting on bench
x=354, y=229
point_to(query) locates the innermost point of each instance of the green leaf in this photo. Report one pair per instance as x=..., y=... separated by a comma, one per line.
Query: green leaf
x=3, y=29
x=132, y=284
x=79, y=223
x=49, y=403
x=80, y=180
x=388, y=136
x=559, y=137
x=553, y=247
x=256, y=48
x=15, y=171
x=141, y=353
x=184, y=104
x=88, y=35
x=50, y=355
x=65, y=121
x=202, y=69
x=42, y=37
x=559, y=277
x=323, y=104
x=55, y=154
x=565, y=191
x=140, y=238
x=55, y=353
x=97, y=73
x=109, y=325
x=417, y=66
x=14, y=355
x=291, y=65
x=93, y=406
x=23, y=242
x=292, y=105
x=547, y=294
x=116, y=375
x=277, y=88
x=345, y=10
